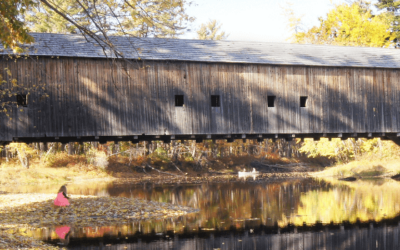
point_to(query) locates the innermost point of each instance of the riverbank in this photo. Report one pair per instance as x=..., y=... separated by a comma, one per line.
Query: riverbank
x=363, y=168
x=75, y=169
x=36, y=209
x=20, y=212
x=65, y=169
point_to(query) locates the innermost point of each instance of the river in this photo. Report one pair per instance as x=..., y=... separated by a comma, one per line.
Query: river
x=246, y=214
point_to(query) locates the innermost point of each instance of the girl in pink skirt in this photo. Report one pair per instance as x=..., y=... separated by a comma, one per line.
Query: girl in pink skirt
x=62, y=198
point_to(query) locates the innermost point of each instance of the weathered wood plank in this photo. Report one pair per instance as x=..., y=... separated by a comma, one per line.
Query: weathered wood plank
x=302, y=116
x=272, y=91
x=91, y=97
x=387, y=101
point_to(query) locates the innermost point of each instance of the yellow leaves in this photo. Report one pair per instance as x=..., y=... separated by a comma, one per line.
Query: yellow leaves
x=345, y=150
x=17, y=50
x=83, y=211
x=350, y=25
x=22, y=148
x=160, y=18
x=362, y=201
x=211, y=31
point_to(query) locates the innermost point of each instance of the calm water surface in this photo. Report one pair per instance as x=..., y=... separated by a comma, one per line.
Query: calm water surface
x=248, y=214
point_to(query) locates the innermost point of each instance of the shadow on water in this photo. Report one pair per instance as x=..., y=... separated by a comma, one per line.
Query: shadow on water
x=295, y=214
x=364, y=237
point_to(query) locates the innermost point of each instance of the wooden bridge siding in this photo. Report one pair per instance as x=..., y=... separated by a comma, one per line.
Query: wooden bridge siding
x=258, y=97
x=179, y=78
x=6, y=125
x=21, y=121
x=303, y=90
x=147, y=98
x=316, y=103
x=390, y=118
x=227, y=98
x=395, y=96
x=273, y=89
x=386, y=111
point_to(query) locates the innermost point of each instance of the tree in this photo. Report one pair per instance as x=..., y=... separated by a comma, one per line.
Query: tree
x=350, y=25
x=96, y=20
x=23, y=151
x=139, y=18
x=211, y=31
x=294, y=22
x=40, y=18
x=13, y=30
x=392, y=8
x=157, y=19
x=390, y=5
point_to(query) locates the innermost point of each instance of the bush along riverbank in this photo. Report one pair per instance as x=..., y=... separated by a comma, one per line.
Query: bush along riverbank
x=56, y=162
x=38, y=162
x=362, y=158
x=161, y=163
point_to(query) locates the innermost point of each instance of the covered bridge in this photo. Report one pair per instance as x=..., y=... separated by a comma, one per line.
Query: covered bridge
x=167, y=89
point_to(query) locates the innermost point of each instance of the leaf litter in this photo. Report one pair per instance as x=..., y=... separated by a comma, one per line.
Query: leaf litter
x=21, y=211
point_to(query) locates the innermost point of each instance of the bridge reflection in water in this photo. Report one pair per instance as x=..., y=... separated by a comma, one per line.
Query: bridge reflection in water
x=355, y=238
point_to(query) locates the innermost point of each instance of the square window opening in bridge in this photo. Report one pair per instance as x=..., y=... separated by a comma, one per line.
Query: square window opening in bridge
x=303, y=101
x=21, y=100
x=215, y=102
x=271, y=101
x=179, y=101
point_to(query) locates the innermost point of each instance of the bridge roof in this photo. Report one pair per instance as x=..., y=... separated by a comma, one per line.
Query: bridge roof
x=62, y=45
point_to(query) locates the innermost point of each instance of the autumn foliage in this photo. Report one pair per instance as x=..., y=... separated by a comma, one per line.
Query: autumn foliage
x=350, y=25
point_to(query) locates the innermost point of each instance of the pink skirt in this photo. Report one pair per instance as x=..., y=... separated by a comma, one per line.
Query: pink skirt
x=62, y=231
x=61, y=200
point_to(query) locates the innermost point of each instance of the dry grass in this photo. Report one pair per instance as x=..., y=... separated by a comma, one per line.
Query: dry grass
x=59, y=168
x=375, y=163
x=365, y=167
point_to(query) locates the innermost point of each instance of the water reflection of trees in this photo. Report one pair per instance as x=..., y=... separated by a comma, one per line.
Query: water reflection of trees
x=359, y=201
x=250, y=205
x=223, y=205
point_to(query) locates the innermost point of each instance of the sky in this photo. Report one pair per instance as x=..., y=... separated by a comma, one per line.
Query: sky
x=256, y=20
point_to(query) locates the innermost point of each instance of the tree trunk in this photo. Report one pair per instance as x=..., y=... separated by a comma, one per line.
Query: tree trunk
x=6, y=149
x=43, y=147
x=147, y=148
x=70, y=148
x=289, y=149
x=174, y=151
x=63, y=145
x=23, y=159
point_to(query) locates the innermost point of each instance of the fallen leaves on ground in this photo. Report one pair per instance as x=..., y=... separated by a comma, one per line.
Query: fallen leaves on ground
x=37, y=210
x=13, y=237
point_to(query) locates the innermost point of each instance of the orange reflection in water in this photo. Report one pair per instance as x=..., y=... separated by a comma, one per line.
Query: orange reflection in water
x=241, y=205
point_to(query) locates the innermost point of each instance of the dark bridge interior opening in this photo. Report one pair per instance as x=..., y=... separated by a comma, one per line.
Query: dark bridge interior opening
x=271, y=101
x=303, y=101
x=21, y=100
x=215, y=101
x=179, y=101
